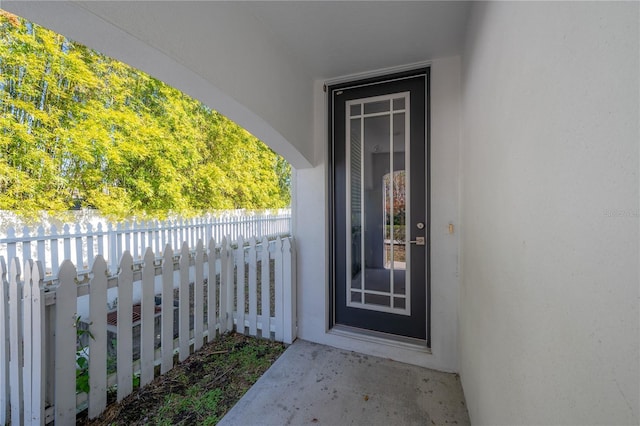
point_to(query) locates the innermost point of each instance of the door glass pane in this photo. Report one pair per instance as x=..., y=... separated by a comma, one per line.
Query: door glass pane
x=398, y=104
x=378, y=201
x=356, y=201
x=375, y=107
x=398, y=194
x=376, y=299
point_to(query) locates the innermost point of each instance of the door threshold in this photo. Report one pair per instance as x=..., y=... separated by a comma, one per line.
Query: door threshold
x=381, y=338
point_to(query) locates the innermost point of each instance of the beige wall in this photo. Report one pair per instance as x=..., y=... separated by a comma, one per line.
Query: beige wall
x=549, y=299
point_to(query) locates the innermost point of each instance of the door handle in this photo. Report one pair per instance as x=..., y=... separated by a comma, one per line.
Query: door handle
x=419, y=241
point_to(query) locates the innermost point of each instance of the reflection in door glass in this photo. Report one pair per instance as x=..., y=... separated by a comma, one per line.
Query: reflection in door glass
x=395, y=220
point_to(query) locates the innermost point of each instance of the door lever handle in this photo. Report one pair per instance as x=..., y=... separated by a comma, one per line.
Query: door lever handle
x=419, y=241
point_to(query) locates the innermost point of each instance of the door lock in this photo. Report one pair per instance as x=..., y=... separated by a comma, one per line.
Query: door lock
x=419, y=241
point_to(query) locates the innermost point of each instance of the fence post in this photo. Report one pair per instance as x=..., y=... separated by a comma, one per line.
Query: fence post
x=279, y=286
x=289, y=289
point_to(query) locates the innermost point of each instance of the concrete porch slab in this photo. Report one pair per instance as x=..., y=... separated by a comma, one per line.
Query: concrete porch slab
x=317, y=384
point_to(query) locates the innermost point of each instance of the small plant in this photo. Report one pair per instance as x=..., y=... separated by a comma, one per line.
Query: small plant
x=82, y=357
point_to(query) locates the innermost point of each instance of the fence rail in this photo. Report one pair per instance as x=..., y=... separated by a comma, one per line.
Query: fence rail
x=183, y=297
x=81, y=243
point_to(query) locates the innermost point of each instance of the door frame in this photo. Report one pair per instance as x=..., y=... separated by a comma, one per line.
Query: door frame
x=384, y=78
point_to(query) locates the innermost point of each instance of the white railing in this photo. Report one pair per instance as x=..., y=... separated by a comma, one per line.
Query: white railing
x=82, y=242
x=184, y=298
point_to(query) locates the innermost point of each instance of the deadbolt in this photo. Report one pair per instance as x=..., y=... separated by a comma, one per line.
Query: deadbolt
x=420, y=225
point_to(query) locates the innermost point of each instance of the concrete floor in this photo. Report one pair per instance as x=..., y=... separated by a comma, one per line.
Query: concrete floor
x=316, y=384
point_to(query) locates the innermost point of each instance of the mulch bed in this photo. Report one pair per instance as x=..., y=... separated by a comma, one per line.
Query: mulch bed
x=226, y=368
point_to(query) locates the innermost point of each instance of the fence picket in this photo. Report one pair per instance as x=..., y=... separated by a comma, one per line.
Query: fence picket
x=65, y=348
x=15, y=333
x=166, y=341
x=253, y=293
x=27, y=346
x=90, y=255
x=183, y=304
x=229, y=287
x=147, y=334
x=211, y=292
x=78, y=238
x=224, y=284
x=11, y=244
x=198, y=296
x=4, y=343
x=26, y=244
x=41, y=248
x=266, y=290
x=100, y=239
x=55, y=265
x=66, y=241
x=37, y=365
x=124, y=351
x=240, y=275
x=98, y=342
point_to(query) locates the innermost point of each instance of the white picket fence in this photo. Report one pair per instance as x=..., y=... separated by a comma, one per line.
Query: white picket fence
x=81, y=243
x=250, y=287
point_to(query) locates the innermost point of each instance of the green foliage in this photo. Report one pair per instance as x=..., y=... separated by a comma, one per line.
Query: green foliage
x=80, y=129
x=82, y=358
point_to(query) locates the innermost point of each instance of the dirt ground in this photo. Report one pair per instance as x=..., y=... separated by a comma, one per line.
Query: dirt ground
x=199, y=390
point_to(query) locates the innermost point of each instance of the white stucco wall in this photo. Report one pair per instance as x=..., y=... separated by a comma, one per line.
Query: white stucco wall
x=311, y=228
x=549, y=301
x=216, y=52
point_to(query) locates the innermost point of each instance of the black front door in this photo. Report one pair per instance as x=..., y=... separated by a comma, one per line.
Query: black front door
x=380, y=218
